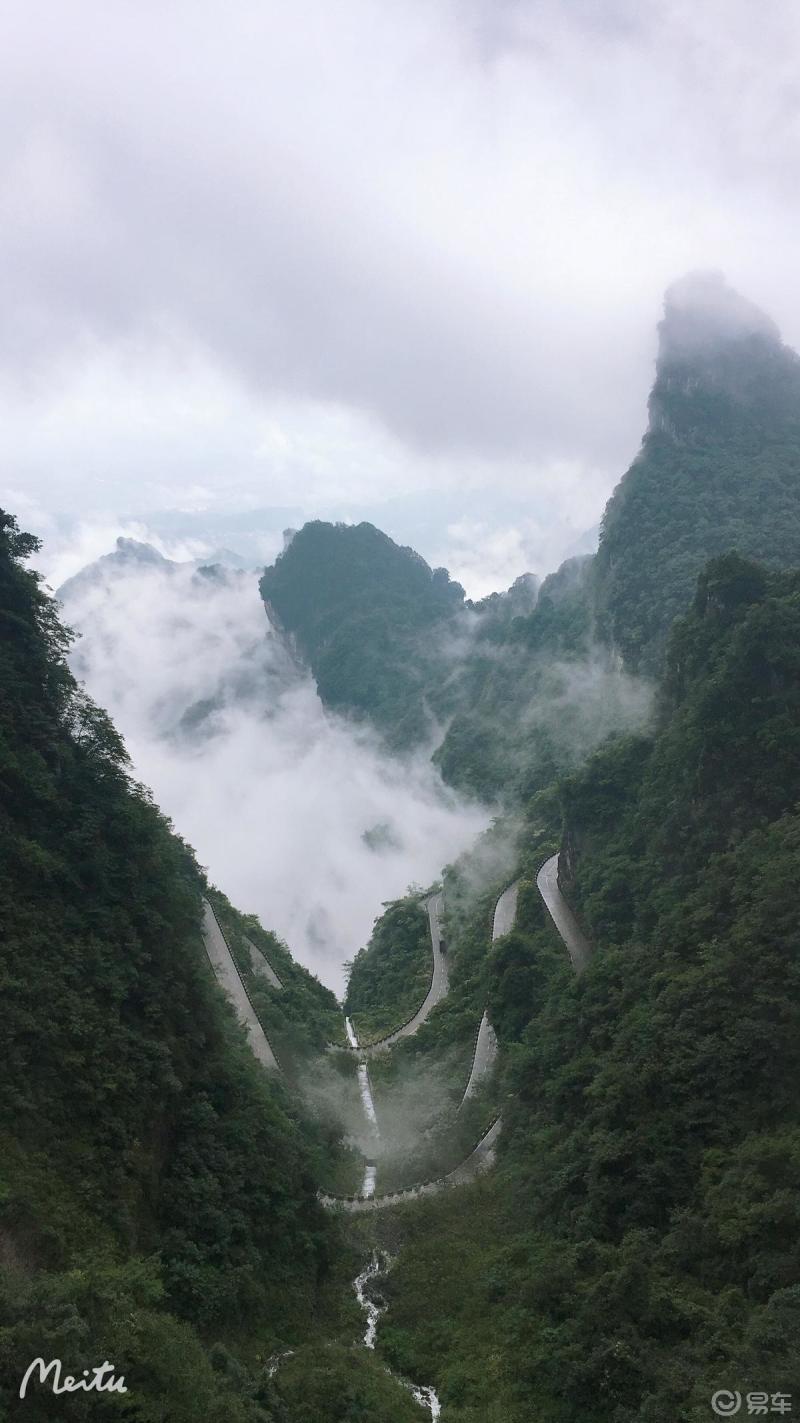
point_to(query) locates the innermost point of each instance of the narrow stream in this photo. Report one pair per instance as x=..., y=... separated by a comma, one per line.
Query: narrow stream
x=371, y=1308
x=365, y=1089
x=366, y=1097
x=377, y=1264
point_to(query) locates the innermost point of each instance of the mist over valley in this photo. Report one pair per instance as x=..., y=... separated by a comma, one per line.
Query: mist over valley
x=399, y=712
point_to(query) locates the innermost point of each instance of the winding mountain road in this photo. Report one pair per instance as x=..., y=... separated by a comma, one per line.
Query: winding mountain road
x=483, y=1057
x=438, y=989
x=479, y=1160
x=578, y=946
x=482, y=1158
x=483, y=1155
x=230, y=980
x=505, y=911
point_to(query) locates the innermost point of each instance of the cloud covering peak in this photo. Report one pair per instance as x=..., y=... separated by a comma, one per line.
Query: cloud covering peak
x=701, y=312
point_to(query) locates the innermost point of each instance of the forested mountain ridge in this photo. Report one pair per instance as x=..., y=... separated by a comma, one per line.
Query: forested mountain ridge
x=719, y=469
x=387, y=638
x=366, y=615
x=640, y=1245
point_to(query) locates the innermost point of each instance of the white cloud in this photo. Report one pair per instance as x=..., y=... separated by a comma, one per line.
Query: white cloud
x=274, y=794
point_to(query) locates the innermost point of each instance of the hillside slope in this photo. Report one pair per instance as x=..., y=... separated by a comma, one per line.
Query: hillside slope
x=640, y=1246
x=158, y=1190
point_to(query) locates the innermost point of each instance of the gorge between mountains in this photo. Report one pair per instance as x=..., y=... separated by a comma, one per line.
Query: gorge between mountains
x=534, y=1154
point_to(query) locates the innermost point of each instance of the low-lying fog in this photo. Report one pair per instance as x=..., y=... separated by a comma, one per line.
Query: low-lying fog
x=297, y=815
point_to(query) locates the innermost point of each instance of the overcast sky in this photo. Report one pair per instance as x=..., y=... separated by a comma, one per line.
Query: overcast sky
x=325, y=255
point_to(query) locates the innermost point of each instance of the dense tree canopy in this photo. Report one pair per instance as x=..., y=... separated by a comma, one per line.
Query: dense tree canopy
x=368, y=616
x=390, y=977
x=158, y=1190
x=640, y=1247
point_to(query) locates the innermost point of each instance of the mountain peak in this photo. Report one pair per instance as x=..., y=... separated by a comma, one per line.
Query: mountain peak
x=134, y=551
x=703, y=313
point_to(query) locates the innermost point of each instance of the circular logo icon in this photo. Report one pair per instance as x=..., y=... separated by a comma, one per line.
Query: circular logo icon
x=725, y=1403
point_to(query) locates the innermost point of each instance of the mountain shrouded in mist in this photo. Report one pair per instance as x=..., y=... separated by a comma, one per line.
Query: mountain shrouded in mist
x=521, y=694
x=719, y=466
x=302, y=816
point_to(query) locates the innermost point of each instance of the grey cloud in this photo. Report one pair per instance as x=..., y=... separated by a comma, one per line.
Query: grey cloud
x=348, y=204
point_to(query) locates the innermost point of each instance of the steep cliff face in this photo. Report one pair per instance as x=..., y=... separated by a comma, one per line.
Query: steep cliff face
x=719, y=467
x=376, y=625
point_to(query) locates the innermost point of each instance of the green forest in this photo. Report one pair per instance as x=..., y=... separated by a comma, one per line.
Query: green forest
x=367, y=615
x=157, y=1189
x=390, y=977
x=637, y=1248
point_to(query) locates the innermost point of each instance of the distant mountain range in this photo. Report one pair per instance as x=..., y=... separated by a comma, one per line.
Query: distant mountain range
x=131, y=554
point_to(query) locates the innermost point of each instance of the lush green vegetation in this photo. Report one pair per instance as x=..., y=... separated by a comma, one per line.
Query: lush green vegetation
x=301, y=1016
x=157, y=1188
x=389, y=978
x=639, y=1246
x=368, y=616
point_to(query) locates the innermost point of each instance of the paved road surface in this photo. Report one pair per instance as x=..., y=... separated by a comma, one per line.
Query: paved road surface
x=578, y=946
x=227, y=973
x=478, y=1161
x=261, y=965
x=483, y=1060
x=505, y=912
